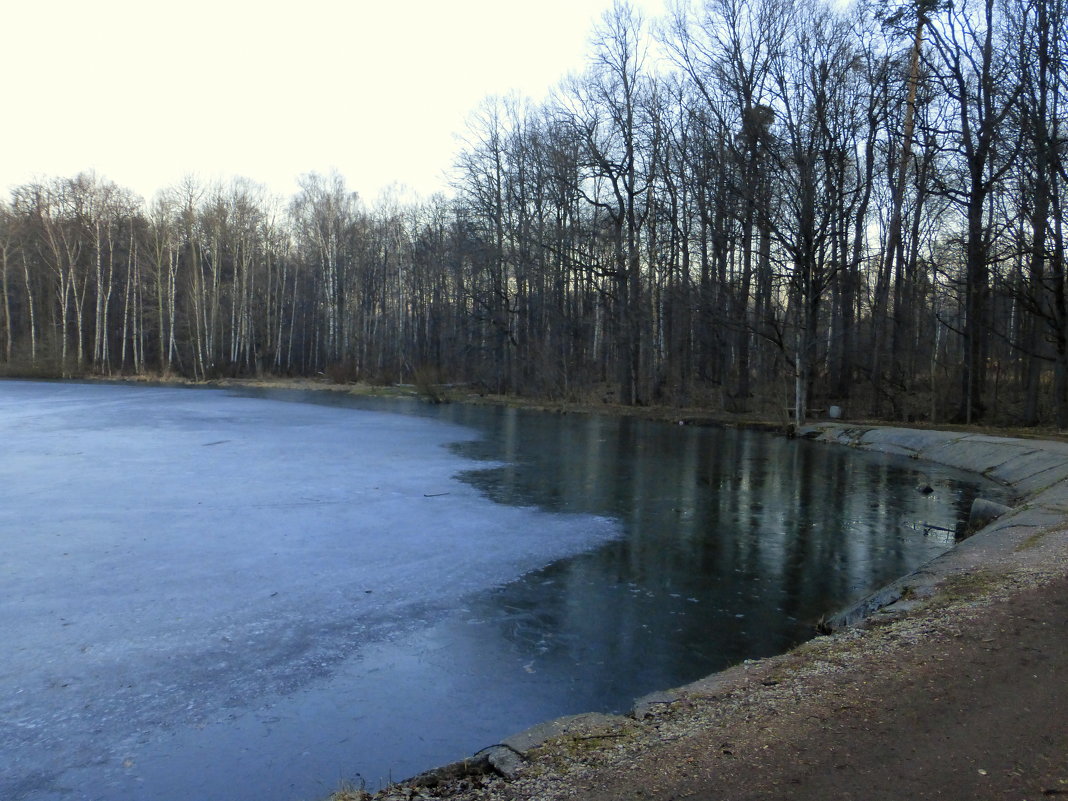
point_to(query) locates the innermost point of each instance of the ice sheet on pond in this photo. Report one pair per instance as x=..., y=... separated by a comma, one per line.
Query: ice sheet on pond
x=171, y=561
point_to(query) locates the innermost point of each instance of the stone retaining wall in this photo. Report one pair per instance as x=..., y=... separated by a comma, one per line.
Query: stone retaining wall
x=1035, y=470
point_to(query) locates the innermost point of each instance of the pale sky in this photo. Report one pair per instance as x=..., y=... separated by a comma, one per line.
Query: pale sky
x=145, y=93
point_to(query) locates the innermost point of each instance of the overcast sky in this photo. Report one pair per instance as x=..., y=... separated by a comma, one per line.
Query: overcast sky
x=148, y=92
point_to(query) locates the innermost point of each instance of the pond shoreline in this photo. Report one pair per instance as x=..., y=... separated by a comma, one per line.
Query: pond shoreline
x=1024, y=549
x=678, y=415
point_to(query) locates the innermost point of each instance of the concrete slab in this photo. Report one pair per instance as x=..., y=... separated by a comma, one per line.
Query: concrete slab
x=586, y=724
x=509, y=756
x=1037, y=469
x=1035, y=517
x=1034, y=470
x=979, y=455
x=1054, y=498
x=891, y=449
x=913, y=440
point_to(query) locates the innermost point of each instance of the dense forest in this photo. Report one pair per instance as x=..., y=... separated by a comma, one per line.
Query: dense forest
x=747, y=206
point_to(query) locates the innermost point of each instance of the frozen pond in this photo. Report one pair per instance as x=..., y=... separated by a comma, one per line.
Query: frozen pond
x=212, y=595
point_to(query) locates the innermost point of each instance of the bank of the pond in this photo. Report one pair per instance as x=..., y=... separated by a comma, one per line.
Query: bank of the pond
x=946, y=684
x=464, y=394
x=684, y=415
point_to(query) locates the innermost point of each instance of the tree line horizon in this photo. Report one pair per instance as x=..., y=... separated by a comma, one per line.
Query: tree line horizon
x=746, y=206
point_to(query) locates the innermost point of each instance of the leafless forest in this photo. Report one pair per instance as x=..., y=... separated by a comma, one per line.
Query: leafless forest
x=754, y=205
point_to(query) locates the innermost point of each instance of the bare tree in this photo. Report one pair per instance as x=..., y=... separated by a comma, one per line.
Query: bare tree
x=609, y=110
x=975, y=76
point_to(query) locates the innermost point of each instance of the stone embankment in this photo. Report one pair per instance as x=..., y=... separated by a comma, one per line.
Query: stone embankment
x=1034, y=470
x=664, y=743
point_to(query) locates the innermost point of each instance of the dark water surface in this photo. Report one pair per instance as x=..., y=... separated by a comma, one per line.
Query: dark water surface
x=734, y=544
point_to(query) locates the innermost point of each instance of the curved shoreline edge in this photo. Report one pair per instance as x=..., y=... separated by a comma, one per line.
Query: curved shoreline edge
x=1035, y=470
